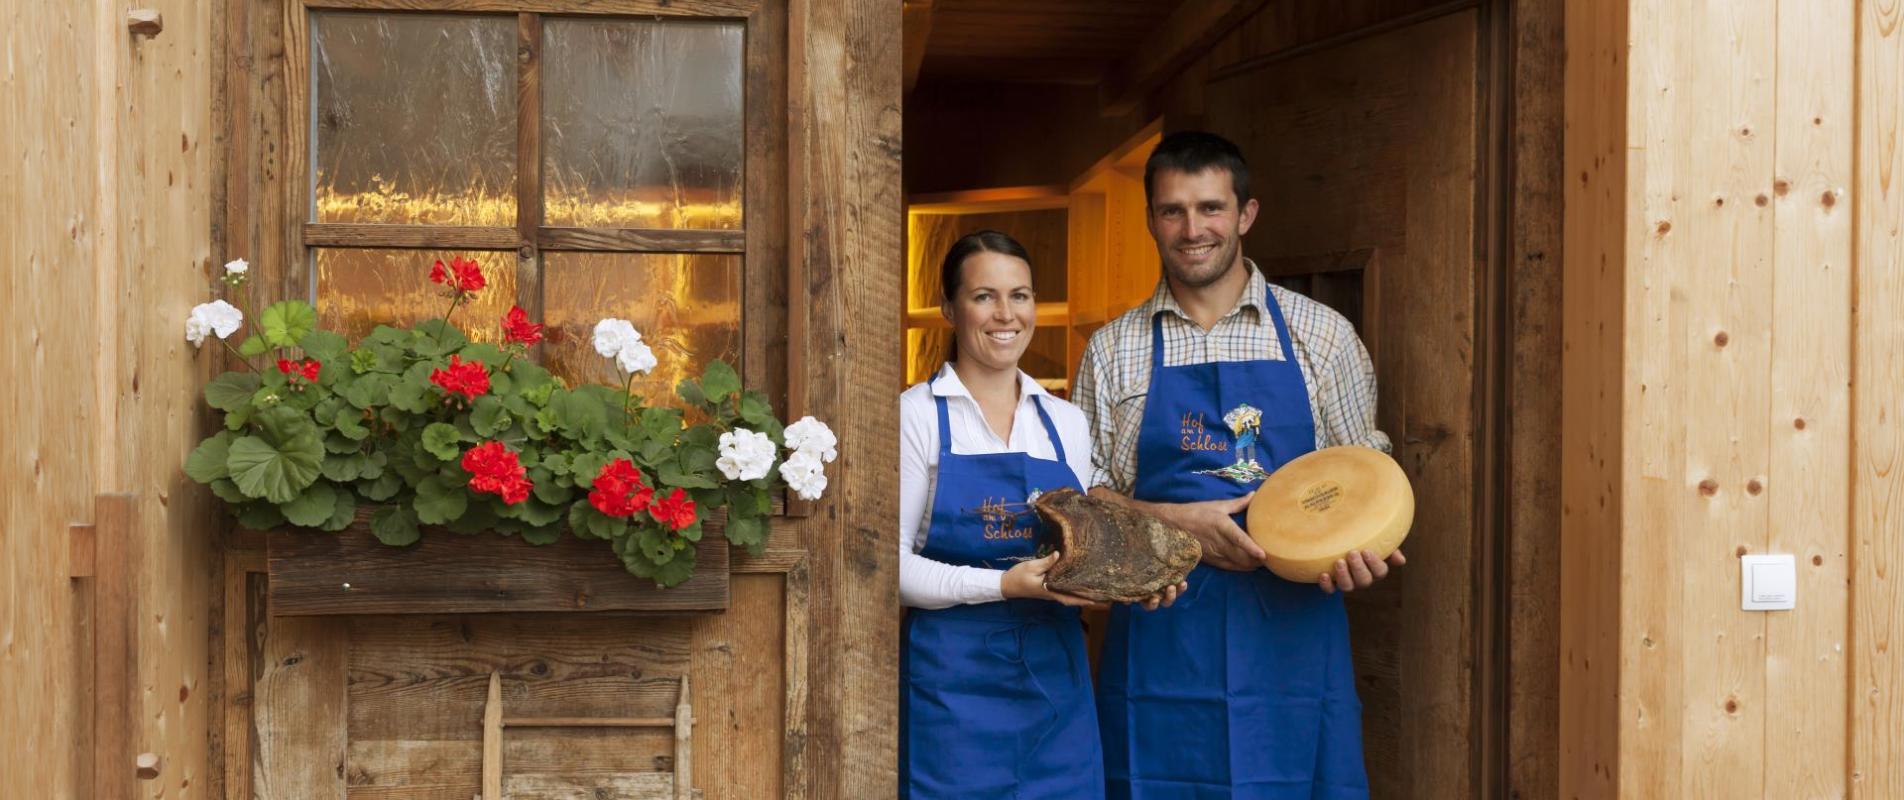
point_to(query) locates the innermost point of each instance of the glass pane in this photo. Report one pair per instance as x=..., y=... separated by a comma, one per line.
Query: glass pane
x=414, y=118
x=641, y=124
x=357, y=290
x=687, y=307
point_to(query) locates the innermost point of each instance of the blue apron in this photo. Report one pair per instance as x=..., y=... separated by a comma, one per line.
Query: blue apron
x=1244, y=687
x=995, y=698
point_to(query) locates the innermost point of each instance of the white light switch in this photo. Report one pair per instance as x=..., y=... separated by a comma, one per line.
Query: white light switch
x=1768, y=583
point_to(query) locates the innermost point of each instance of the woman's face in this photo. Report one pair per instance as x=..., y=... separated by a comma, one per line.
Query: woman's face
x=994, y=311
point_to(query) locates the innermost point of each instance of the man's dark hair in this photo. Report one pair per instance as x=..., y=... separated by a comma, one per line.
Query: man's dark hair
x=952, y=271
x=1192, y=152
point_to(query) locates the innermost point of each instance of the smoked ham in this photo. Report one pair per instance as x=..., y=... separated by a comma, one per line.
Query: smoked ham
x=1111, y=552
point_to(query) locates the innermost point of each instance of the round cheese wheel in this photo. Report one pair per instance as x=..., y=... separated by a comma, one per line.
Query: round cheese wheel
x=1320, y=506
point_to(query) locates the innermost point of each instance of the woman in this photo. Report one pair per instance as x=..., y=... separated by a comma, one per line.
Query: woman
x=996, y=696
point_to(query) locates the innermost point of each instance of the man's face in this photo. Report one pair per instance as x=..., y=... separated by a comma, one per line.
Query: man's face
x=1197, y=225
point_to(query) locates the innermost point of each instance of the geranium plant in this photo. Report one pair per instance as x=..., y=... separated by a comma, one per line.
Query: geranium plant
x=433, y=430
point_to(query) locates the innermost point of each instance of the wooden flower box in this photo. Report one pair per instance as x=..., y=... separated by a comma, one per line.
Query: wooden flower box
x=350, y=572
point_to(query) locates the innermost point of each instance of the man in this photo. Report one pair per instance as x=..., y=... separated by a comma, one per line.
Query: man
x=1244, y=688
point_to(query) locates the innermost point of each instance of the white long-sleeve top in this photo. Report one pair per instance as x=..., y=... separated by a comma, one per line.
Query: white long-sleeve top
x=927, y=583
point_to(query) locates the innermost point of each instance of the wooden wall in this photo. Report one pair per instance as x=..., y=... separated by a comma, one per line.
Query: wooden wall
x=108, y=195
x=1732, y=305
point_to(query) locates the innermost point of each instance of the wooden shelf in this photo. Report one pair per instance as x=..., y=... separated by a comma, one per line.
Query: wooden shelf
x=1049, y=314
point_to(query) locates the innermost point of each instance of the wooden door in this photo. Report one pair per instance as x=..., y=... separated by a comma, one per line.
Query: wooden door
x=1363, y=158
x=366, y=137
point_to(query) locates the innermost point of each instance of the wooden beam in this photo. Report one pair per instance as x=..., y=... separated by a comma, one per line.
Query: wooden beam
x=643, y=240
x=1187, y=35
x=115, y=647
x=918, y=29
x=983, y=201
x=410, y=237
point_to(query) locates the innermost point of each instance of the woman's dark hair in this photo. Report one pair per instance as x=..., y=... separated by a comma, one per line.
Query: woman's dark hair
x=951, y=271
x=1191, y=152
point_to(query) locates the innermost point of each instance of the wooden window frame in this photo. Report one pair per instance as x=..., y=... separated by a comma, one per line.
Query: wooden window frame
x=768, y=277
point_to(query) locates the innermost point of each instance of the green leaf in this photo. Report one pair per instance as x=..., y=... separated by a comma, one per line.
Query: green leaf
x=287, y=323
x=546, y=534
x=311, y=508
x=281, y=424
x=485, y=352
x=690, y=392
x=207, y=461
x=436, y=337
x=438, y=504
x=755, y=409
x=345, y=468
x=350, y=422
x=344, y=514
x=588, y=523
x=324, y=345
x=228, y=491
x=581, y=415
x=748, y=532
x=672, y=475
x=692, y=532
x=274, y=473
x=719, y=381
x=363, y=361
x=412, y=393
x=539, y=394
x=395, y=526
x=673, y=573
x=586, y=466
x=557, y=463
x=481, y=517
x=488, y=416
x=231, y=391
x=381, y=489
x=654, y=544
x=548, y=491
x=253, y=345
x=369, y=390
x=535, y=512
x=442, y=441
x=260, y=515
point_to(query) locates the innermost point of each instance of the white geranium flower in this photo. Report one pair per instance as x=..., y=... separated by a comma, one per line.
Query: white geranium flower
x=812, y=436
x=216, y=317
x=745, y=455
x=612, y=335
x=636, y=357
x=237, y=266
x=804, y=474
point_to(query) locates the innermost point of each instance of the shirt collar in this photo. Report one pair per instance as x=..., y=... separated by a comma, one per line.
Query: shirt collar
x=947, y=384
x=1254, y=290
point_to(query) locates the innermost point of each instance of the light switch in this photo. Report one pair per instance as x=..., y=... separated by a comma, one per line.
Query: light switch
x=1768, y=583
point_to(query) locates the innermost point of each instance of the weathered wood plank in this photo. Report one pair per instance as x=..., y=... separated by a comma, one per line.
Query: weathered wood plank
x=1533, y=454
x=646, y=8
x=1877, y=655
x=352, y=573
x=1808, y=476
x=115, y=625
x=1185, y=36
x=301, y=710
x=415, y=237
x=643, y=240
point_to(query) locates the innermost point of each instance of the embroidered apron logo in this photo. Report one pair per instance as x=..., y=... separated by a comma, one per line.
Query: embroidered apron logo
x=1195, y=437
x=1245, y=423
x=1002, y=519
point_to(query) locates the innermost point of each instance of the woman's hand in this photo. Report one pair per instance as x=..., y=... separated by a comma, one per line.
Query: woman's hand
x=1026, y=580
x=1164, y=598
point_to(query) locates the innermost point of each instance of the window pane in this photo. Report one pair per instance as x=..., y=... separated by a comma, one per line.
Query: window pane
x=641, y=123
x=357, y=290
x=414, y=118
x=687, y=308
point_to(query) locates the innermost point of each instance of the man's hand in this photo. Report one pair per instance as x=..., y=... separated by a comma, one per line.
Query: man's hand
x=1225, y=546
x=1360, y=570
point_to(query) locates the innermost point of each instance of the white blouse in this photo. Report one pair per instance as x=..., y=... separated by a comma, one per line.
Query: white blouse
x=927, y=583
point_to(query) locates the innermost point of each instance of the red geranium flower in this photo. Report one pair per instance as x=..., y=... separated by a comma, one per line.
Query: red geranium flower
x=517, y=328
x=675, y=511
x=494, y=469
x=467, y=378
x=463, y=274
x=619, y=490
x=306, y=369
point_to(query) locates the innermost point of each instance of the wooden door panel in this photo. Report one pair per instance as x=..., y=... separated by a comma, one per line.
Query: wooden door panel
x=1370, y=147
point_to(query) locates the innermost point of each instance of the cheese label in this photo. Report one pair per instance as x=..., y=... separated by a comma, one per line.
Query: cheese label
x=1321, y=496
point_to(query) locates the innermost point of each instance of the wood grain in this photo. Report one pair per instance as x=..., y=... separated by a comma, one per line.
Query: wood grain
x=352, y=573
x=1877, y=604
x=115, y=623
x=1806, y=486
x=646, y=8
x=301, y=710
x=413, y=237
x=1593, y=455
x=642, y=240
x=1183, y=37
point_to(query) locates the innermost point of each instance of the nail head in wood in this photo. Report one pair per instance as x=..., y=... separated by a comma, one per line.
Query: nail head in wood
x=145, y=22
x=148, y=764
